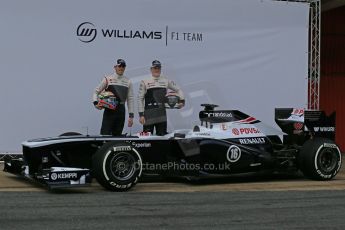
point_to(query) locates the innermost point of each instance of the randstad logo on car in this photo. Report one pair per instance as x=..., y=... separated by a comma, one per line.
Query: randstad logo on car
x=218, y=114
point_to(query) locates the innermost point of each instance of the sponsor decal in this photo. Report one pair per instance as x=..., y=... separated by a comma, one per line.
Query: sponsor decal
x=122, y=148
x=298, y=125
x=64, y=175
x=144, y=134
x=249, y=141
x=235, y=131
x=233, y=154
x=203, y=134
x=53, y=176
x=87, y=32
x=249, y=130
x=242, y=131
x=324, y=129
x=298, y=112
x=218, y=114
x=141, y=145
x=330, y=145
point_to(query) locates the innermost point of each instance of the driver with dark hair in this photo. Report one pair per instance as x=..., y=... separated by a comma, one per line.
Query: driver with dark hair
x=121, y=87
x=152, y=98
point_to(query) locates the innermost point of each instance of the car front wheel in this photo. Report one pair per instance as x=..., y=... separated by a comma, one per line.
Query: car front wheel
x=117, y=166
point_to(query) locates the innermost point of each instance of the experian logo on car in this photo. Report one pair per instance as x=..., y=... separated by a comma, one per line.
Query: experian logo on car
x=141, y=145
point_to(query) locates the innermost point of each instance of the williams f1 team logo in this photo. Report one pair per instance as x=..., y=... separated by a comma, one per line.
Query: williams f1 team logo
x=86, y=32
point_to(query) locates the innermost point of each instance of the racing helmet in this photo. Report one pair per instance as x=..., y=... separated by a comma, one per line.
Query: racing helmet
x=107, y=99
x=172, y=100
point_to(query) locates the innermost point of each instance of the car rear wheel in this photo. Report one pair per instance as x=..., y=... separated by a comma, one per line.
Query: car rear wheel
x=320, y=159
x=117, y=166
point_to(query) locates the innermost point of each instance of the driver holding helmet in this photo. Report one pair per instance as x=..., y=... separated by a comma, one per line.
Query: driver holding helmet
x=152, y=99
x=121, y=87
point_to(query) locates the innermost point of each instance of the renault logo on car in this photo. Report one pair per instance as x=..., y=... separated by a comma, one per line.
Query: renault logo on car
x=86, y=32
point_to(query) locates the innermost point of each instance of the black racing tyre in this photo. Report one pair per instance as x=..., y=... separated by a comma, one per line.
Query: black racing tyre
x=117, y=166
x=319, y=159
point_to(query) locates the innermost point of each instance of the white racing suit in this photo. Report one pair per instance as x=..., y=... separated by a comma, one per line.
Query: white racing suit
x=151, y=99
x=113, y=120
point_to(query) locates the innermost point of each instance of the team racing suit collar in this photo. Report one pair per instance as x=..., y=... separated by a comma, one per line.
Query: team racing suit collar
x=156, y=78
x=118, y=76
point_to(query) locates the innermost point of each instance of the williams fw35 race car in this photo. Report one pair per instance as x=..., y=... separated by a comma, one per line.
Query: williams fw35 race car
x=227, y=142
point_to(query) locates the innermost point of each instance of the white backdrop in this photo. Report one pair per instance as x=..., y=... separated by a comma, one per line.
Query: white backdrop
x=249, y=55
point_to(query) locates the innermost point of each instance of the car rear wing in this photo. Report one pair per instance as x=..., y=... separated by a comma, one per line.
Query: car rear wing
x=318, y=123
x=295, y=121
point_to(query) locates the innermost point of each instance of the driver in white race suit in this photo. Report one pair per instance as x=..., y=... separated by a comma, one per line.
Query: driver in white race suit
x=152, y=98
x=121, y=87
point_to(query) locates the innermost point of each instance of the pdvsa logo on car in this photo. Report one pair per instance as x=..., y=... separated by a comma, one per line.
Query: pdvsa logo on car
x=243, y=131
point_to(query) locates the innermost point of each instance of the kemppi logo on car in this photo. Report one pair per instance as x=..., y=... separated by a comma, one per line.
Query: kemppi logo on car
x=242, y=131
x=86, y=32
x=71, y=175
